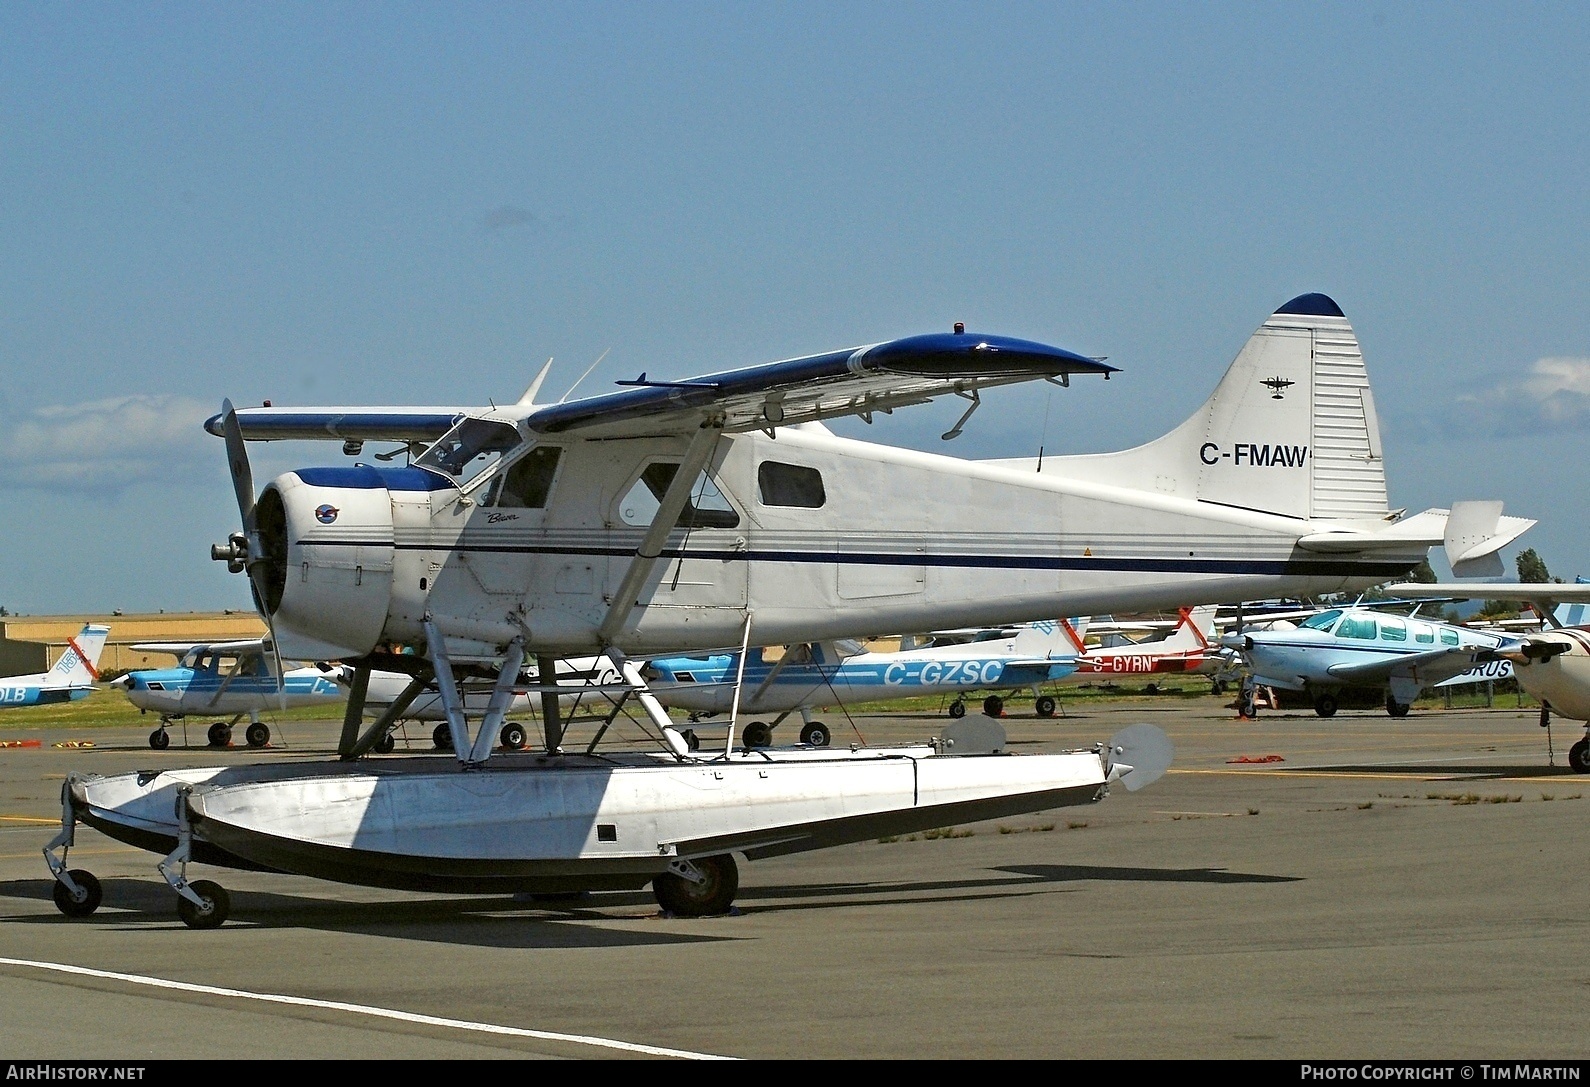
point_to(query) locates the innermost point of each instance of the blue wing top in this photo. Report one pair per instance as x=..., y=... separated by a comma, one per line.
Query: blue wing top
x=855, y=381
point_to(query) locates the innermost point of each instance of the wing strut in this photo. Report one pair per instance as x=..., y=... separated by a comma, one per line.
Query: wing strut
x=383, y=724
x=354, y=712
x=702, y=444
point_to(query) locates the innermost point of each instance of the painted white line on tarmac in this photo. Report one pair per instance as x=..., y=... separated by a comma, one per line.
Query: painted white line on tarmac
x=362, y=1009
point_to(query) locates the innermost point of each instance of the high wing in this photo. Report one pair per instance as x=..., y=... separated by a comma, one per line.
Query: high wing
x=251, y=647
x=1427, y=668
x=854, y=381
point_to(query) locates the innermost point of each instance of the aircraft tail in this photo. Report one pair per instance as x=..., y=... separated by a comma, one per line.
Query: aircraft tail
x=79, y=665
x=1053, y=638
x=1291, y=429
x=1195, y=631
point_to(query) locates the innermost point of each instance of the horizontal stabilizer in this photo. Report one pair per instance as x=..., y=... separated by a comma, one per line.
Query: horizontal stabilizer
x=1475, y=532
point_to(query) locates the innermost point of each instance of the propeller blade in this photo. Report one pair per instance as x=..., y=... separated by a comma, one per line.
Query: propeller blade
x=237, y=461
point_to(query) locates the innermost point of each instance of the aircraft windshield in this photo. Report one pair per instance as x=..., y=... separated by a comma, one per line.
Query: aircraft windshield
x=469, y=449
x=1322, y=621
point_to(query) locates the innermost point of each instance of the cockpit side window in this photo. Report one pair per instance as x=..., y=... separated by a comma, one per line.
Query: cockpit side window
x=706, y=507
x=470, y=448
x=790, y=485
x=1355, y=627
x=528, y=481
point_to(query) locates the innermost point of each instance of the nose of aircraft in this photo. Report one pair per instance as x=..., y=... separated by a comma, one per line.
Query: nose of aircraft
x=122, y=682
x=1234, y=640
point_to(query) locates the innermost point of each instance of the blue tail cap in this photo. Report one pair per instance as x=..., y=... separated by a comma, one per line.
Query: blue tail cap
x=1313, y=305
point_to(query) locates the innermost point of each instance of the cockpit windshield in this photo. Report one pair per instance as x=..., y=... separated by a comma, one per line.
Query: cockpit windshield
x=1322, y=621
x=470, y=448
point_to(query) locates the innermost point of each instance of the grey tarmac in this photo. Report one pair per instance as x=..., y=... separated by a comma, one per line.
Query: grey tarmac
x=1295, y=888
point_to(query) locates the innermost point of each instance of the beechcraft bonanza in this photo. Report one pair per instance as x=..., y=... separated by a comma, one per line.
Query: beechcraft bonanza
x=1552, y=666
x=675, y=517
x=227, y=680
x=72, y=678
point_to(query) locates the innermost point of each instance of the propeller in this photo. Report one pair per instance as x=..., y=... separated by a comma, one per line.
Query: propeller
x=248, y=552
x=1139, y=755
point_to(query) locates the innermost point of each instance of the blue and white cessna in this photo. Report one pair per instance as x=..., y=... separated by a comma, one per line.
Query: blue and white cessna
x=682, y=516
x=827, y=675
x=1362, y=647
x=227, y=680
x=72, y=678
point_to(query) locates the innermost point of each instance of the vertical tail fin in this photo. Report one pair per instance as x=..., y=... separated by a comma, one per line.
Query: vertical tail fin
x=1291, y=428
x=1052, y=638
x=1195, y=631
x=79, y=665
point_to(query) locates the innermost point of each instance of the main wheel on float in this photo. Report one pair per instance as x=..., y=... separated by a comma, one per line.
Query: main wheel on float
x=86, y=899
x=217, y=904
x=714, y=894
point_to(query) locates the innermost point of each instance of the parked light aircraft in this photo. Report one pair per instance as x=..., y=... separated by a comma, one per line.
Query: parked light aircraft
x=203, y=684
x=1362, y=647
x=72, y=677
x=682, y=516
x=826, y=675
x=587, y=681
x=1190, y=648
x=1553, y=665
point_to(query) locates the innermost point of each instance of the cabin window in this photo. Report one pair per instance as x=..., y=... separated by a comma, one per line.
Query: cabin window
x=1422, y=633
x=1355, y=627
x=1449, y=637
x=1392, y=630
x=469, y=449
x=528, y=480
x=1322, y=621
x=790, y=485
x=706, y=507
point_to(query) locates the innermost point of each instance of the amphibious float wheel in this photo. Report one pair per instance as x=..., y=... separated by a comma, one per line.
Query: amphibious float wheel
x=85, y=901
x=257, y=734
x=384, y=745
x=442, y=737
x=220, y=734
x=159, y=739
x=720, y=882
x=993, y=705
x=758, y=734
x=1395, y=708
x=512, y=736
x=957, y=709
x=1578, y=757
x=1325, y=705
x=1045, y=705
x=816, y=734
x=217, y=904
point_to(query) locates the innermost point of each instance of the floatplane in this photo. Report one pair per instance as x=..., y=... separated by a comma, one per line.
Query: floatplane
x=680, y=516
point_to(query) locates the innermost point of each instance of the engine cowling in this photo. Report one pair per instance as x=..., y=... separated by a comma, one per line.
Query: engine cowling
x=327, y=558
x=1559, y=675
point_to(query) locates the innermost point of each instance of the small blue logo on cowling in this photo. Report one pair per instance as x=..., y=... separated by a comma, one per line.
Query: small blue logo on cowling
x=326, y=514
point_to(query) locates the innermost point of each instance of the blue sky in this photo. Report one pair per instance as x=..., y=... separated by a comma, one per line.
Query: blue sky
x=420, y=203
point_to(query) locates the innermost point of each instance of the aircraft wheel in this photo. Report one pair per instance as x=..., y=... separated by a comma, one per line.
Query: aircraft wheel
x=957, y=709
x=1325, y=705
x=1217, y=687
x=714, y=894
x=816, y=733
x=442, y=737
x=758, y=734
x=692, y=741
x=86, y=901
x=385, y=744
x=512, y=736
x=993, y=705
x=159, y=739
x=257, y=734
x=217, y=904
x=1045, y=705
x=1578, y=758
x=1395, y=708
x=220, y=734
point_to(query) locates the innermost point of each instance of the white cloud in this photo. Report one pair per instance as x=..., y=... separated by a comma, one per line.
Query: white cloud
x=1553, y=396
x=105, y=446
